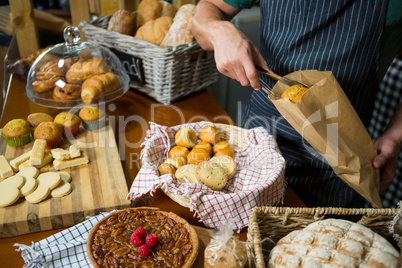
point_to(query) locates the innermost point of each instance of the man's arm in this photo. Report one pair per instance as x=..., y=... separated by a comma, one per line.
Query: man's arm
x=388, y=146
x=235, y=54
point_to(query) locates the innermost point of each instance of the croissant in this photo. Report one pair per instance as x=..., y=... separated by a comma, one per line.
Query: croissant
x=98, y=85
x=83, y=69
x=50, y=70
x=40, y=86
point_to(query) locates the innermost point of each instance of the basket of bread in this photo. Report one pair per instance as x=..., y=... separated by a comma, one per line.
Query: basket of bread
x=157, y=49
x=322, y=237
x=75, y=73
x=219, y=171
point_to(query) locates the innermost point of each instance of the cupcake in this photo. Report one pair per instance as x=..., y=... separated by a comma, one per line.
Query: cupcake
x=49, y=131
x=92, y=117
x=69, y=122
x=17, y=132
x=36, y=118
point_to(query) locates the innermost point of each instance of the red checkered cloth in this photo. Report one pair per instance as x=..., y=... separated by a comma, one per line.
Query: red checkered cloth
x=258, y=181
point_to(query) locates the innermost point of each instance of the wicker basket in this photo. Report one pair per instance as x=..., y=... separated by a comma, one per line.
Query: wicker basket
x=165, y=74
x=274, y=223
x=233, y=135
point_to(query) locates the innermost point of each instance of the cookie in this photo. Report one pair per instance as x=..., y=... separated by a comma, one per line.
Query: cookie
x=64, y=187
x=29, y=174
x=46, y=182
x=47, y=158
x=60, y=154
x=211, y=175
x=62, y=164
x=226, y=162
x=38, y=152
x=10, y=190
x=16, y=162
x=5, y=168
x=186, y=171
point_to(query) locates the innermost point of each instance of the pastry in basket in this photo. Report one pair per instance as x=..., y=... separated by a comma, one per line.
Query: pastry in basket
x=212, y=175
x=85, y=68
x=186, y=171
x=176, y=161
x=67, y=92
x=334, y=243
x=154, y=31
x=166, y=168
x=294, y=93
x=167, y=9
x=179, y=151
x=226, y=162
x=209, y=134
x=198, y=155
x=142, y=237
x=186, y=137
x=98, y=85
x=124, y=22
x=204, y=145
x=180, y=32
x=148, y=10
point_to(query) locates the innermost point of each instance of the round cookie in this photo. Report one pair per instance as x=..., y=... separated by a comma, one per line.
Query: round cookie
x=64, y=187
x=211, y=175
x=46, y=182
x=29, y=174
x=10, y=190
x=188, y=171
x=186, y=137
x=226, y=162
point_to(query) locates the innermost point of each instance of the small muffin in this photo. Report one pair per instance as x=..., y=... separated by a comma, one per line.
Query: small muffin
x=226, y=162
x=198, y=155
x=70, y=123
x=17, y=132
x=222, y=145
x=204, y=145
x=211, y=175
x=51, y=132
x=186, y=171
x=209, y=134
x=36, y=118
x=176, y=161
x=186, y=137
x=166, y=168
x=92, y=117
x=179, y=151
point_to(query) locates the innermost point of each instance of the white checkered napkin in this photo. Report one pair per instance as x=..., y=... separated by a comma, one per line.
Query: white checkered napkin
x=64, y=249
x=259, y=180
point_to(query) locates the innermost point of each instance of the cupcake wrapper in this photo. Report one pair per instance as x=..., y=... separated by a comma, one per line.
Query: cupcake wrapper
x=94, y=125
x=53, y=143
x=71, y=130
x=18, y=141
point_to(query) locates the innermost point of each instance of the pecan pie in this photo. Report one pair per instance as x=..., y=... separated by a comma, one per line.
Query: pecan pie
x=109, y=243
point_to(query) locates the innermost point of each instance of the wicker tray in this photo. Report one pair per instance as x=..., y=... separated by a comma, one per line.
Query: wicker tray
x=276, y=222
x=233, y=135
x=165, y=74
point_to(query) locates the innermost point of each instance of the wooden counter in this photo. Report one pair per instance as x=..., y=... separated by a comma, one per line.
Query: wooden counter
x=129, y=115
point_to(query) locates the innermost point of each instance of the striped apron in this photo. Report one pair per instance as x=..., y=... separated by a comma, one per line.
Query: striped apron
x=342, y=36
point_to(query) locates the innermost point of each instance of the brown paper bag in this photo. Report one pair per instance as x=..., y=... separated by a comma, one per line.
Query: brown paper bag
x=325, y=118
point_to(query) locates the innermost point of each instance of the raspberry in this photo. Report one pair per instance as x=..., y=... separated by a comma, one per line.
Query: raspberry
x=141, y=232
x=136, y=240
x=144, y=250
x=152, y=240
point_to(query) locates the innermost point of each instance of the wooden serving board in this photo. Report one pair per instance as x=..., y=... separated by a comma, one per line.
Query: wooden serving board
x=98, y=186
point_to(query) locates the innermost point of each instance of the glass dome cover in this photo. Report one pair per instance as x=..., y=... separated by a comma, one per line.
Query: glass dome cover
x=75, y=73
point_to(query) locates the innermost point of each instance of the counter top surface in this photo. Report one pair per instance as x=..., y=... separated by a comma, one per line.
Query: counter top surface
x=130, y=116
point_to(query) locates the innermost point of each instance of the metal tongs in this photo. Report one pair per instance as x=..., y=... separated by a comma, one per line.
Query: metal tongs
x=271, y=74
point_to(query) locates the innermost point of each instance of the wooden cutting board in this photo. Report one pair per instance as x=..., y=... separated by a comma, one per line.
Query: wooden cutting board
x=97, y=186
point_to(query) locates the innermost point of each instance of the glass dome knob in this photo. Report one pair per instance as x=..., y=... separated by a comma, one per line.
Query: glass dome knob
x=72, y=35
